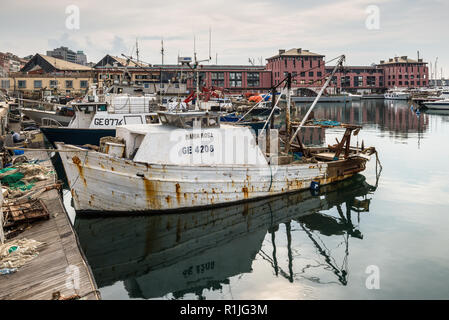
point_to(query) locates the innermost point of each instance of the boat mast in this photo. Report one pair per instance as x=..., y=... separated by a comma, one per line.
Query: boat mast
x=339, y=63
x=162, y=66
x=195, y=69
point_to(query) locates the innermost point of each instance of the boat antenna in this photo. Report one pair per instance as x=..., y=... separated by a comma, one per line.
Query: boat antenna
x=210, y=44
x=137, y=50
x=162, y=65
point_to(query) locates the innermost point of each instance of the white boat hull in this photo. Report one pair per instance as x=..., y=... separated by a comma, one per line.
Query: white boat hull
x=38, y=115
x=100, y=182
x=437, y=106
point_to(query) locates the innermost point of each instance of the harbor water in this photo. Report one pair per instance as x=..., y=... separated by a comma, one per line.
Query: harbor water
x=370, y=237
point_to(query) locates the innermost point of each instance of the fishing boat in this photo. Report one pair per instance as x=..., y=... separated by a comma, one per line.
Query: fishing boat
x=95, y=119
x=174, y=166
x=62, y=115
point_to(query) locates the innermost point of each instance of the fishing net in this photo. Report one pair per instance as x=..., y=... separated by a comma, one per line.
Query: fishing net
x=24, y=176
x=16, y=253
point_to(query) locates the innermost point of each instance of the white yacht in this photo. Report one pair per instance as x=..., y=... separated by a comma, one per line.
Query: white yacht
x=397, y=95
x=439, y=104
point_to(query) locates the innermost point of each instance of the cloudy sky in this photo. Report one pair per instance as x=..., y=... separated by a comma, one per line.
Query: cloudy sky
x=240, y=29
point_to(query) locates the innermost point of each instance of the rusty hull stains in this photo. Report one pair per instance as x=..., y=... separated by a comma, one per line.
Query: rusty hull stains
x=151, y=194
x=178, y=193
x=77, y=162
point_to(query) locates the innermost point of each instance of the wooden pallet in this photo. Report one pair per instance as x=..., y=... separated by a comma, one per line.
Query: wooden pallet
x=25, y=212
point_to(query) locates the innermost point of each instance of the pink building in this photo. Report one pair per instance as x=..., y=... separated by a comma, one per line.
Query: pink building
x=307, y=68
x=403, y=72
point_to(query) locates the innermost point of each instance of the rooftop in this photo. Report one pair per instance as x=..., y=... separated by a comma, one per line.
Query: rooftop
x=295, y=52
x=402, y=59
x=64, y=65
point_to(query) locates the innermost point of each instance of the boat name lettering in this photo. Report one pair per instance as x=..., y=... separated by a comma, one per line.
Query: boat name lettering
x=199, y=269
x=107, y=122
x=201, y=135
x=198, y=149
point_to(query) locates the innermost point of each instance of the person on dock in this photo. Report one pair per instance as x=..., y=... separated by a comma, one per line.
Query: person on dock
x=16, y=137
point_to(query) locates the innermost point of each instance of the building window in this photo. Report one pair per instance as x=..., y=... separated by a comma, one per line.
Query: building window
x=235, y=79
x=253, y=79
x=371, y=81
x=69, y=84
x=311, y=74
x=5, y=84
x=217, y=79
x=53, y=83
x=84, y=84
x=22, y=84
x=37, y=84
x=358, y=81
x=302, y=82
x=345, y=81
x=303, y=74
x=319, y=74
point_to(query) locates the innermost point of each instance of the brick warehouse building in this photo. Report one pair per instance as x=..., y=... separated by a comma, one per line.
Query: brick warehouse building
x=357, y=78
x=308, y=70
x=403, y=72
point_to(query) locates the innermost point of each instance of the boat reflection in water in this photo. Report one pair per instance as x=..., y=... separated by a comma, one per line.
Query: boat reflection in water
x=189, y=252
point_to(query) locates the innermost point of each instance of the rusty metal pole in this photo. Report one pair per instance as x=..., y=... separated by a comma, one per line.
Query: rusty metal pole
x=288, y=123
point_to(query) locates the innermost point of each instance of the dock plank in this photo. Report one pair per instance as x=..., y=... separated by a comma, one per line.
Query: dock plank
x=47, y=273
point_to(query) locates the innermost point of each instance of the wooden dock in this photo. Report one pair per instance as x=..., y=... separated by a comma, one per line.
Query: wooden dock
x=52, y=270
